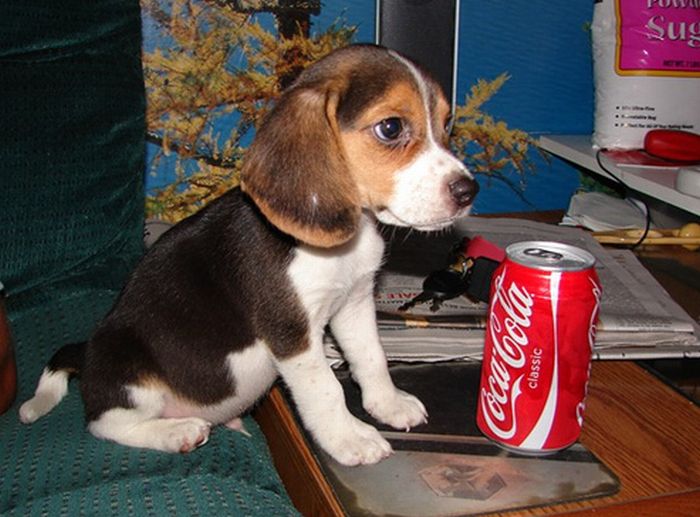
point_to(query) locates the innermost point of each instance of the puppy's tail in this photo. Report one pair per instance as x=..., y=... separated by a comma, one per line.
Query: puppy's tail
x=53, y=383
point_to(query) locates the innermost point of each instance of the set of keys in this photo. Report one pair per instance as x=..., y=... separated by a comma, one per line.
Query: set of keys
x=471, y=266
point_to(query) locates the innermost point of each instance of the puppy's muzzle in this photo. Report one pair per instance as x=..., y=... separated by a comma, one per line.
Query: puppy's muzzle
x=463, y=191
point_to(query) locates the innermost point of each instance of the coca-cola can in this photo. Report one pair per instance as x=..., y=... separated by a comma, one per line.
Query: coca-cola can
x=537, y=352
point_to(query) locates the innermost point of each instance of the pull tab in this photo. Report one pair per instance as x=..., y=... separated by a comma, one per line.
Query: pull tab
x=543, y=254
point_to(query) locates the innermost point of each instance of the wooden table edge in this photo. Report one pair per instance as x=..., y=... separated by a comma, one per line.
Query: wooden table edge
x=301, y=474
x=680, y=503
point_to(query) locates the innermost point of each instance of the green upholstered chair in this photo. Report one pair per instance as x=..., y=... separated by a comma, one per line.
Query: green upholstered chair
x=71, y=218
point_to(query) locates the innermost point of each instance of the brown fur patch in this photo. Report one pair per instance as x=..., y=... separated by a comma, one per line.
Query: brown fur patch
x=441, y=117
x=373, y=163
x=325, y=236
x=153, y=382
x=296, y=173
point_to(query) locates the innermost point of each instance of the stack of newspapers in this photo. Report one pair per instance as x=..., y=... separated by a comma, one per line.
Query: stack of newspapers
x=638, y=319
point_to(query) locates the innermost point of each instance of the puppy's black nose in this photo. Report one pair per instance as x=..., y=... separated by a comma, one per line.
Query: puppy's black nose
x=463, y=191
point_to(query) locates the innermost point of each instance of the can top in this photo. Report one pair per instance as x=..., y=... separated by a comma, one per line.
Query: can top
x=550, y=256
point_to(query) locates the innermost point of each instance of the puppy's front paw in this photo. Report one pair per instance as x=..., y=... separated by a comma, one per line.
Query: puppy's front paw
x=398, y=409
x=355, y=443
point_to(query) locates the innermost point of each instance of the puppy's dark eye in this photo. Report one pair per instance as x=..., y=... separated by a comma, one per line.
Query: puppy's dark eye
x=389, y=129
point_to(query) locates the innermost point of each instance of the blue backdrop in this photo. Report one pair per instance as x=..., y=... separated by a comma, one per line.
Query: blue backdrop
x=545, y=48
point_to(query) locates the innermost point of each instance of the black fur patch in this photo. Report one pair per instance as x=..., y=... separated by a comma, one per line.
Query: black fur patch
x=210, y=286
x=69, y=359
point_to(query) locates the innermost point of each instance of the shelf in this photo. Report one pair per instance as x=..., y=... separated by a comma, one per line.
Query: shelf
x=657, y=182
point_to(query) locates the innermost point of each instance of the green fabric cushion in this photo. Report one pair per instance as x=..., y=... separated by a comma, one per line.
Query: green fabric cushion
x=71, y=216
x=56, y=467
x=72, y=144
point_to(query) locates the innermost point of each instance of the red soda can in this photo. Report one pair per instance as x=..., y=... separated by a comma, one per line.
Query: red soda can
x=537, y=352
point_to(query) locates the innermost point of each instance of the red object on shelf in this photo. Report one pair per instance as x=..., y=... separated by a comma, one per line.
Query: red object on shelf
x=682, y=146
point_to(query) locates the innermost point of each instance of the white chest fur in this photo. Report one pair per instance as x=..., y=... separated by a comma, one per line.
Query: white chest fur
x=336, y=286
x=324, y=278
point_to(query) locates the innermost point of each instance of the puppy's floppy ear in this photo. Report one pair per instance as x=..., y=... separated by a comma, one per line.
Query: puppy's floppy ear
x=295, y=169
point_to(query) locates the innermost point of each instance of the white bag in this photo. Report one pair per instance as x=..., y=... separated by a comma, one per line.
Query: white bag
x=646, y=57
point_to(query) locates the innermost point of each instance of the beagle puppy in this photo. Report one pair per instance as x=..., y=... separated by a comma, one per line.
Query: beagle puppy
x=241, y=292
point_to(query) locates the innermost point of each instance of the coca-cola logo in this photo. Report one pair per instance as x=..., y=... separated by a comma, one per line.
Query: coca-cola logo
x=510, y=317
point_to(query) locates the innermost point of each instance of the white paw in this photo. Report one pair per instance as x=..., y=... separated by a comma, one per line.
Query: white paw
x=185, y=434
x=355, y=443
x=399, y=409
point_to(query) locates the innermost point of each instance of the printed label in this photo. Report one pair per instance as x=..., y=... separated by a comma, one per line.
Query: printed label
x=658, y=37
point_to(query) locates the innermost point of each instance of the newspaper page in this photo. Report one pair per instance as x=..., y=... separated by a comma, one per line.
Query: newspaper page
x=638, y=319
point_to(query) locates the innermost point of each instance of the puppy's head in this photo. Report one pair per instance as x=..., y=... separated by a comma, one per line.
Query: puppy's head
x=362, y=129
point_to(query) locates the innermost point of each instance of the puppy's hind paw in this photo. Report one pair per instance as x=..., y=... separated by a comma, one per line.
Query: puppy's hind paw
x=186, y=434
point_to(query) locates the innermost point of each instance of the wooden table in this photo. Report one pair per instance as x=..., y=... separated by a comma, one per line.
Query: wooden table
x=643, y=430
